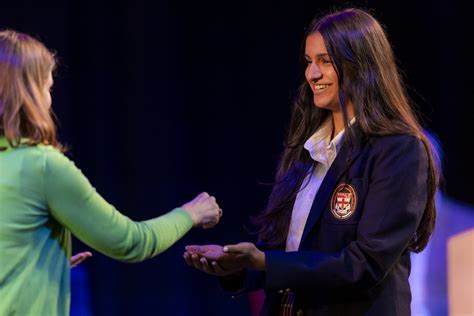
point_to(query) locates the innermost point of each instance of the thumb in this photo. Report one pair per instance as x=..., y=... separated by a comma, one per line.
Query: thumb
x=233, y=248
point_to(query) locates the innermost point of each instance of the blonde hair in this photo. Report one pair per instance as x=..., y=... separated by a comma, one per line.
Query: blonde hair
x=25, y=65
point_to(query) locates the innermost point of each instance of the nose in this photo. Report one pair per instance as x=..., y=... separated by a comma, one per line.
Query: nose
x=313, y=73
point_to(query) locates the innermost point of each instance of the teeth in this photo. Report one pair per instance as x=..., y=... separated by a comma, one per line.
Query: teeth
x=320, y=86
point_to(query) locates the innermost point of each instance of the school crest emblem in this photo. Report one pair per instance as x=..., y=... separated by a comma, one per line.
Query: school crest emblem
x=343, y=201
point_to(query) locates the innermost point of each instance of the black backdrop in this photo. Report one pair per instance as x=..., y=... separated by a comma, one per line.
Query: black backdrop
x=160, y=100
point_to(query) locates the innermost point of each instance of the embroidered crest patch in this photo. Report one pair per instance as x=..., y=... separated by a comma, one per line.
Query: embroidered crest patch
x=343, y=201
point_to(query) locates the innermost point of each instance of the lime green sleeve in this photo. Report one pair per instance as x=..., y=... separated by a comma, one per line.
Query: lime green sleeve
x=75, y=204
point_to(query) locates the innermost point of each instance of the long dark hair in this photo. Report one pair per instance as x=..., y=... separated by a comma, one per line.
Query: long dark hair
x=368, y=77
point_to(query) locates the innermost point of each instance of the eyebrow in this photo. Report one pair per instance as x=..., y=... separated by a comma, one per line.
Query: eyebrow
x=318, y=55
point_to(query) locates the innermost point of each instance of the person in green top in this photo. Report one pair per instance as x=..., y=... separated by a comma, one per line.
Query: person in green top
x=44, y=197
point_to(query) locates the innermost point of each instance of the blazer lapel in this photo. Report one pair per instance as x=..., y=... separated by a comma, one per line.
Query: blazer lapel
x=341, y=164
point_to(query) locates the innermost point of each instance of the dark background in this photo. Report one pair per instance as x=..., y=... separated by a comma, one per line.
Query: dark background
x=161, y=100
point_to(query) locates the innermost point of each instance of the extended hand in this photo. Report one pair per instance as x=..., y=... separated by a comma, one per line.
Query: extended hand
x=79, y=258
x=247, y=253
x=225, y=260
x=204, y=210
x=205, y=259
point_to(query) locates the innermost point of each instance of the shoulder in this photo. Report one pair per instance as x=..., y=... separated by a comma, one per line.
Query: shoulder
x=46, y=151
x=45, y=157
x=55, y=160
x=34, y=161
x=391, y=154
x=33, y=154
x=59, y=170
x=394, y=140
x=38, y=149
x=397, y=144
x=50, y=152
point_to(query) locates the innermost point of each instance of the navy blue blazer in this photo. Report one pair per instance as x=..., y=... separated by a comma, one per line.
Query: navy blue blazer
x=353, y=258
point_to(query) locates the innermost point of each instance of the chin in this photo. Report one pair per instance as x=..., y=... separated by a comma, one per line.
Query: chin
x=321, y=105
x=325, y=105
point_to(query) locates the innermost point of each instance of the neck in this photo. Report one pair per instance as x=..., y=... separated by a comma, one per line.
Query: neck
x=338, y=119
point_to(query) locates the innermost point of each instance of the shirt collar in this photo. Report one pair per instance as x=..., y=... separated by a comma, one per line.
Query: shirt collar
x=320, y=146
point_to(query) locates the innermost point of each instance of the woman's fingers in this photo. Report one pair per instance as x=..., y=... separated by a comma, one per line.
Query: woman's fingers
x=188, y=259
x=196, y=249
x=204, y=210
x=211, y=224
x=206, y=267
x=79, y=258
x=240, y=248
x=201, y=196
x=196, y=263
x=218, y=269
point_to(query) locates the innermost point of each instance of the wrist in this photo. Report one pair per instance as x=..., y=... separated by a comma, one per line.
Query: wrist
x=260, y=261
x=191, y=215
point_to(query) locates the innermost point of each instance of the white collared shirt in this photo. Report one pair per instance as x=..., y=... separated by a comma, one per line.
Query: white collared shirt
x=323, y=150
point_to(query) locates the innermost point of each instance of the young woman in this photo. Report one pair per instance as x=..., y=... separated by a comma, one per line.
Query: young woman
x=354, y=191
x=44, y=196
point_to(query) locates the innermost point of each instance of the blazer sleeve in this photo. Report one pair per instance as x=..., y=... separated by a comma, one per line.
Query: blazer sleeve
x=246, y=281
x=394, y=206
x=75, y=204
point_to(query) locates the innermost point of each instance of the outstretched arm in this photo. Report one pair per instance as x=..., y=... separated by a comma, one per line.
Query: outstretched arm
x=75, y=204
